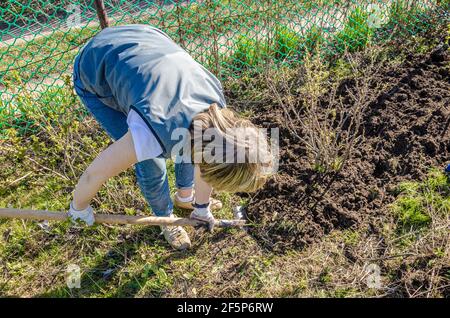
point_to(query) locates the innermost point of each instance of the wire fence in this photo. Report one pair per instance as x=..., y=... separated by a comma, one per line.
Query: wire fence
x=39, y=38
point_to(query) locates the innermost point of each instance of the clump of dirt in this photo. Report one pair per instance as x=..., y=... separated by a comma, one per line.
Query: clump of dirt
x=406, y=131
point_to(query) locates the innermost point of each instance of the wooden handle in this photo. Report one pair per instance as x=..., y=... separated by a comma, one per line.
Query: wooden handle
x=112, y=218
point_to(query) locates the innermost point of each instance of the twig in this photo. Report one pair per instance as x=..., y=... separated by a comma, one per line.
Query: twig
x=48, y=169
x=21, y=178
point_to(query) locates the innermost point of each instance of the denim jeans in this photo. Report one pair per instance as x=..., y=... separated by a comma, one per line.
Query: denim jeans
x=151, y=174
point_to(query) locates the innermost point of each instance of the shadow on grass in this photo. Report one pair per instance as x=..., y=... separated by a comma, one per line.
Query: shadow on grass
x=106, y=277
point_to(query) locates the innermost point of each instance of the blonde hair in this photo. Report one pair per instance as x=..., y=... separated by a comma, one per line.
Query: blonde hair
x=234, y=133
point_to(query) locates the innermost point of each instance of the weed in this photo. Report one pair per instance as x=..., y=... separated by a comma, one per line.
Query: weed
x=286, y=43
x=411, y=213
x=356, y=34
x=351, y=237
x=56, y=106
x=419, y=202
x=313, y=40
x=406, y=14
x=325, y=277
x=343, y=292
x=248, y=52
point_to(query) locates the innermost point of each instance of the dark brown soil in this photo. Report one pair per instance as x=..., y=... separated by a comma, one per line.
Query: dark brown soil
x=406, y=132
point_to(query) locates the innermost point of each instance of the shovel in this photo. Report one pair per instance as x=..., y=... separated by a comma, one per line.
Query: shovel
x=25, y=214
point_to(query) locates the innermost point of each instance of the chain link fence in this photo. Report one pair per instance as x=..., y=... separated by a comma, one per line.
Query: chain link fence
x=40, y=38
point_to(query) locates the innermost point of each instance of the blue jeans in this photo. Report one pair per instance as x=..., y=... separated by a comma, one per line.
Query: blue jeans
x=151, y=174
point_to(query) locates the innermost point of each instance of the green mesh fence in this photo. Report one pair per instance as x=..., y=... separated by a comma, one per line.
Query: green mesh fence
x=39, y=39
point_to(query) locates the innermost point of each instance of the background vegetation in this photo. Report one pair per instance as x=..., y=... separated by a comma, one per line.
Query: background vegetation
x=38, y=170
x=227, y=36
x=48, y=140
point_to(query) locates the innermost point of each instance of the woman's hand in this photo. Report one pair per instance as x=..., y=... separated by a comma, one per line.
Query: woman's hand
x=86, y=215
x=203, y=213
x=116, y=158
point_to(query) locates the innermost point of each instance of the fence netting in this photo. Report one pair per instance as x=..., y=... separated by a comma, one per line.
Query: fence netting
x=40, y=38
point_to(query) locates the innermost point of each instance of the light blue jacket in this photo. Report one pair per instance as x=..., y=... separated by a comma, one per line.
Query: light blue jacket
x=139, y=67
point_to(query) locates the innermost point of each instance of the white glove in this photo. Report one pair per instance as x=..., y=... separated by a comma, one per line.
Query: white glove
x=203, y=213
x=86, y=215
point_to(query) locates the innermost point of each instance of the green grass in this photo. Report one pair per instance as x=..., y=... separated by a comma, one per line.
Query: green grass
x=286, y=43
x=420, y=201
x=286, y=47
x=356, y=33
x=313, y=40
x=43, y=59
x=39, y=56
x=406, y=13
x=27, y=113
x=248, y=52
x=408, y=17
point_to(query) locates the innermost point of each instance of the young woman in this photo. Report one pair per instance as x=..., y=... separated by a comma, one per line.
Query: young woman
x=150, y=96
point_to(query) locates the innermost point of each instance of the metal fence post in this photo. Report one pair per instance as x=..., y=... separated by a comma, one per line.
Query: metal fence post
x=101, y=13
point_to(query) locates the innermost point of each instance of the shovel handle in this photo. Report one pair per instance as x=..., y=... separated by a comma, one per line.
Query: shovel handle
x=25, y=214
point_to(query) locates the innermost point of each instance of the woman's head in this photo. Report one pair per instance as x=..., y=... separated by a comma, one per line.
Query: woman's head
x=233, y=154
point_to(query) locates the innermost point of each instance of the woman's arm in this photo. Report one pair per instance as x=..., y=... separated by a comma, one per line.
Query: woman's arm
x=116, y=158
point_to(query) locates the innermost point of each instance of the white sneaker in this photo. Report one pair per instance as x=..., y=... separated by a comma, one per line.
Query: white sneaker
x=176, y=236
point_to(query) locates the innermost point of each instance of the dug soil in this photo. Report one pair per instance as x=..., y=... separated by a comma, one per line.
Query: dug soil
x=406, y=132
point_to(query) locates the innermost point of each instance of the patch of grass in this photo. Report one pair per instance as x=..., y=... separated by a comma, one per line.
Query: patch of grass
x=313, y=40
x=411, y=213
x=325, y=276
x=248, y=53
x=419, y=201
x=31, y=111
x=406, y=18
x=407, y=14
x=286, y=43
x=40, y=56
x=356, y=34
x=351, y=237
